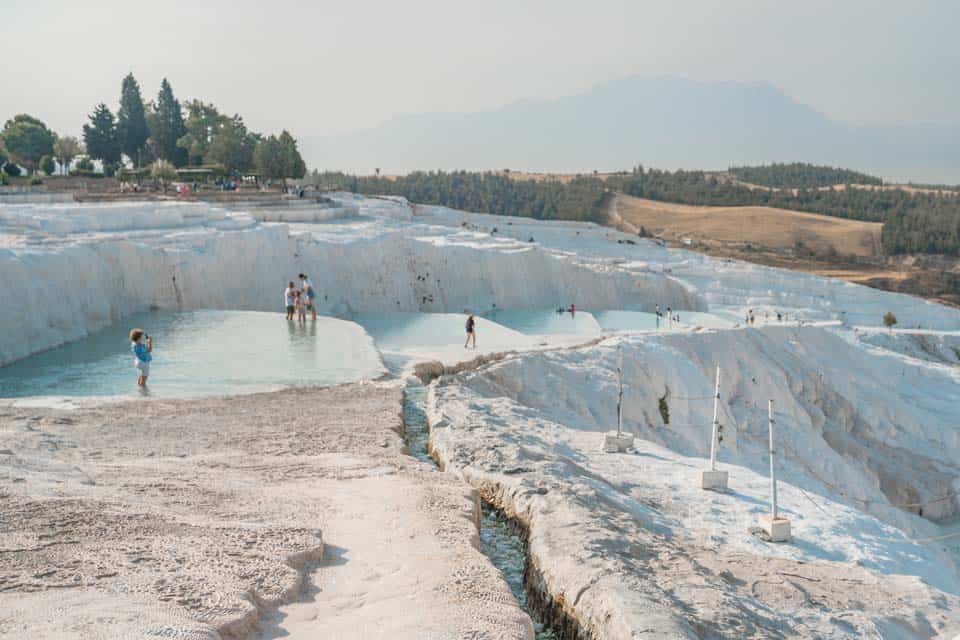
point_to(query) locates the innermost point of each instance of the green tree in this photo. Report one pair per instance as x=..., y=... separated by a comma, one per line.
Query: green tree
x=232, y=146
x=65, y=149
x=47, y=165
x=203, y=123
x=889, y=320
x=293, y=164
x=27, y=139
x=131, y=121
x=168, y=127
x=268, y=158
x=101, y=138
x=163, y=171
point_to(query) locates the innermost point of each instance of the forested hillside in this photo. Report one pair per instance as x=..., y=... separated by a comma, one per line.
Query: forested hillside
x=578, y=199
x=914, y=222
x=800, y=175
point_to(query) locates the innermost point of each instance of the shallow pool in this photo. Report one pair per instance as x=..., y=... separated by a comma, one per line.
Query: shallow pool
x=629, y=321
x=706, y=320
x=201, y=353
x=642, y=321
x=546, y=322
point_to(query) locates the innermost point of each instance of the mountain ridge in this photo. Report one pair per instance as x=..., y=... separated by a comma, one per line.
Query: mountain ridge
x=661, y=121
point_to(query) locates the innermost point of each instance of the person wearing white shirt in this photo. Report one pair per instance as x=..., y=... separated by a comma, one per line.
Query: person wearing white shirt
x=289, y=300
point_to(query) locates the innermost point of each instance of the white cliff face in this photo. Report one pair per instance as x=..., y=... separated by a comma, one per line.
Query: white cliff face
x=68, y=272
x=845, y=428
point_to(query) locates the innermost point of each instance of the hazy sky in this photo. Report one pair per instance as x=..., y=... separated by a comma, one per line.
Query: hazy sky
x=325, y=67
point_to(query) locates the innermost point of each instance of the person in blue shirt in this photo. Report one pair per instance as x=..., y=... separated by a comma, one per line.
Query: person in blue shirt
x=142, y=346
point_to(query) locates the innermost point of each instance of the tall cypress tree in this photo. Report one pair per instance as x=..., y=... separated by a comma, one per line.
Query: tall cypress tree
x=101, y=137
x=169, y=126
x=131, y=120
x=293, y=164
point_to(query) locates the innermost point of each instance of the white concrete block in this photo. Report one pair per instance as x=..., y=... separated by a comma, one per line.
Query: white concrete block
x=778, y=530
x=715, y=480
x=613, y=443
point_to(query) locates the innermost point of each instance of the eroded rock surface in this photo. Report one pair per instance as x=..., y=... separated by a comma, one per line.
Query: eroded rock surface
x=197, y=519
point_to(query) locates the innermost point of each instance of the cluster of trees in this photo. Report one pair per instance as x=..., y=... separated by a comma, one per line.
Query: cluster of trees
x=146, y=133
x=578, y=199
x=27, y=142
x=800, y=175
x=933, y=228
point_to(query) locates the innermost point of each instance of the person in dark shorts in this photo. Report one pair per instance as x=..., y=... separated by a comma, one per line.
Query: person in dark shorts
x=471, y=332
x=307, y=287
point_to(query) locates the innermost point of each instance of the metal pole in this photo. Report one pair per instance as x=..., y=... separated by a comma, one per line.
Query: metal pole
x=773, y=466
x=619, y=390
x=715, y=434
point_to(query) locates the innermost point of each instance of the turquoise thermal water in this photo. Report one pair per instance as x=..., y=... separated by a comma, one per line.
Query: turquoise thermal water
x=546, y=321
x=200, y=353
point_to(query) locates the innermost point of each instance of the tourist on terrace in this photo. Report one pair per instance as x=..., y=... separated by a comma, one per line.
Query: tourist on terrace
x=290, y=300
x=300, y=301
x=471, y=332
x=142, y=346
x=307, y=287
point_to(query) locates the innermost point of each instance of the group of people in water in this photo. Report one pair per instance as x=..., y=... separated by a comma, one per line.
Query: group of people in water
x=301, y=301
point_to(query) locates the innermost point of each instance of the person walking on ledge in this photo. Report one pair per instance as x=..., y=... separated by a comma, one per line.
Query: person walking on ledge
x=142, y=346
x=471, y=332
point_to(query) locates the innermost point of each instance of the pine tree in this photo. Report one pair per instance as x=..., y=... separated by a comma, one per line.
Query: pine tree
x=132, y=121
x=100, y=136
x=293, y=164
x=168, y=126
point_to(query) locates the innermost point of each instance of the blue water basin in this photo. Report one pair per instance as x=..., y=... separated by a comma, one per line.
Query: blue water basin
x=200, y=353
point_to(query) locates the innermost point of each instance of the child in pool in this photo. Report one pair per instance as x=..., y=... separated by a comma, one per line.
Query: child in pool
x=142, y=347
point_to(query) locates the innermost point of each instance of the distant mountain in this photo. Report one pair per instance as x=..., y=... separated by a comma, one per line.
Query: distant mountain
x=663, y=122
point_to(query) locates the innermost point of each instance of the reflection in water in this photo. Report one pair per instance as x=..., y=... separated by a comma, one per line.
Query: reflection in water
x=200, y=353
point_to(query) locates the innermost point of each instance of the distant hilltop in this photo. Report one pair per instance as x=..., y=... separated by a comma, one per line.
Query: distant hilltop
x=660, y=121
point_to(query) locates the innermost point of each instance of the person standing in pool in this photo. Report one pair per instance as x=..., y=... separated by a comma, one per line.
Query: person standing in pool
x=307, y=286
x=471, y=332
x=300, y=301
x=142, y=347
x=290, y=300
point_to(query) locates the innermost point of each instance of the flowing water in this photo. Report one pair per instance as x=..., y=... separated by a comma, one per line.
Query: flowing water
x=507, y=550
x=499, y=540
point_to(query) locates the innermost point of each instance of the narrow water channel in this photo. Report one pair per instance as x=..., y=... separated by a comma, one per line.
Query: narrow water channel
x=499, y=540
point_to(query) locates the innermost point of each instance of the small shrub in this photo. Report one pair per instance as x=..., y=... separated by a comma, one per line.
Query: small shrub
x=889, y=320
x=35, y=181
x=11, y=170
x=663, y=407
x=47, y=165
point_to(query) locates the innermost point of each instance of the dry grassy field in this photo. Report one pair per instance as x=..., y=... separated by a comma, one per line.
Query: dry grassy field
x=762, y=227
